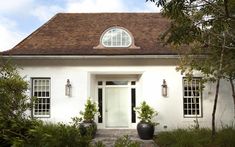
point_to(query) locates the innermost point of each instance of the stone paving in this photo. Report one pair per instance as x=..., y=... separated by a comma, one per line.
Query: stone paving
x=109, y=136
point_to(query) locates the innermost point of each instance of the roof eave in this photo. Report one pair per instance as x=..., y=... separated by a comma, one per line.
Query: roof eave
x=91, y=57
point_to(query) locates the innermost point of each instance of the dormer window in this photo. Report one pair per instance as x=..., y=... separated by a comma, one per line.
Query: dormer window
x=116, y=37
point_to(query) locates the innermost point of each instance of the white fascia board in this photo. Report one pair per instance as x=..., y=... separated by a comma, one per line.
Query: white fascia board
x=94, y=57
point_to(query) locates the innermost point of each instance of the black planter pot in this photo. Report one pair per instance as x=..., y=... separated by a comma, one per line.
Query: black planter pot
x=145, y=130
x=88, y=129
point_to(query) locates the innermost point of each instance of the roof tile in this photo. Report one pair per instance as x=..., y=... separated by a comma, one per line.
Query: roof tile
x=78, y=33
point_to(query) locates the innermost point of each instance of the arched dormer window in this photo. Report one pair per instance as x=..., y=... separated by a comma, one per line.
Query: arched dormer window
x=116, y=37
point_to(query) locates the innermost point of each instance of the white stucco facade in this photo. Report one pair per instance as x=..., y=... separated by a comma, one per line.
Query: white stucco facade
x=148, y=74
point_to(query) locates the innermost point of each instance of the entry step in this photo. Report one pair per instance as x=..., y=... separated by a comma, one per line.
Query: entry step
x=109, y=136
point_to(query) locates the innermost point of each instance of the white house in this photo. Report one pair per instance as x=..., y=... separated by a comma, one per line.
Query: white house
x=118, y=61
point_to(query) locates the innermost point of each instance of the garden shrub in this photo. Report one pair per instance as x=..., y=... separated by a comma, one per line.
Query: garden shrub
x=184, y=137
x=225, y=137
x=14, y=123
x=125, y=141
x=196, y=138
x=98, y=144
x=56, y=135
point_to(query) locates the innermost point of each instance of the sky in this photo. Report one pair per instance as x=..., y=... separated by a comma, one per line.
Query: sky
x=19, y=18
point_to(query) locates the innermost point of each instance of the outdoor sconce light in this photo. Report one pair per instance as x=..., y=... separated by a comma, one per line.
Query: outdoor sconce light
x=164, y=88
x=68, y=88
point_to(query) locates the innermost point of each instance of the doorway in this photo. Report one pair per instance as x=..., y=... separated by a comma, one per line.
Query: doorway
x=116, y=106
x=116, y=99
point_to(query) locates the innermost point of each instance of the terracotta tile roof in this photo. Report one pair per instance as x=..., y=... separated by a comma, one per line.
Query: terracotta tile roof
x=78, y=33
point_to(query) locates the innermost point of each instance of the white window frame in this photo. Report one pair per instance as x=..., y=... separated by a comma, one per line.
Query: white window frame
x=45, y=96
x=110, y=34
x=192, y=96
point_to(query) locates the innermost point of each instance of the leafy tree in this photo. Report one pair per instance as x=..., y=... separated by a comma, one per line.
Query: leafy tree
x=203, y=31
x=13, y=104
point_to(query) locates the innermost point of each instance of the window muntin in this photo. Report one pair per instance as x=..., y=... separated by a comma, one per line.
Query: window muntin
x=192, y=97
x=116, y=82
x=41, y=90
x=116, y=37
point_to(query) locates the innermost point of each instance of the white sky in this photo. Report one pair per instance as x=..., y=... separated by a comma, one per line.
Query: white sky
x=19, y=18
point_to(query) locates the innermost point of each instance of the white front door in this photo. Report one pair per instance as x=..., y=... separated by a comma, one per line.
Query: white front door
x=117, y=106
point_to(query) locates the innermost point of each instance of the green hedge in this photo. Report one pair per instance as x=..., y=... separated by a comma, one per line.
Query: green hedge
x=196, y=138
x=56, y=135
x=34, y=133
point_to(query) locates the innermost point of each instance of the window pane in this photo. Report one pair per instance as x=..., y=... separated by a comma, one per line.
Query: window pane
x=133, y=105
x=100, y=99
x=117, y=83
x=192, y=96
x=132, y=82
x=41, y=90
x=100, y=82
x=116, y=37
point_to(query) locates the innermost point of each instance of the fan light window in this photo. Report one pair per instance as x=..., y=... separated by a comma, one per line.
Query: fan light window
x=116, y=37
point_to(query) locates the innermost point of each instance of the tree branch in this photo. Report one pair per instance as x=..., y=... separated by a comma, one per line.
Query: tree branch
x=226, y=8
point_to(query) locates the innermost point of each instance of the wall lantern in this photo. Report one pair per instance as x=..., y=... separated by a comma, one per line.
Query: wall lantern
x=164, y=88
x=68, y=88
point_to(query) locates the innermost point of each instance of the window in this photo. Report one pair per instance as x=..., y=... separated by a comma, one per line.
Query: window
x=133, y=105
x=116, y=82
x=100, y=103
x=116, y=37
x=41, y=90
x=192, y=97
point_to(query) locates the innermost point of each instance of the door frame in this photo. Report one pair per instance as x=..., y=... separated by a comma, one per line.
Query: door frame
x=103, y=86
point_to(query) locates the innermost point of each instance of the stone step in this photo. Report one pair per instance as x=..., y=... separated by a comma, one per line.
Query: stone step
x=109, y=142
x=109, y=136
x=116, y=132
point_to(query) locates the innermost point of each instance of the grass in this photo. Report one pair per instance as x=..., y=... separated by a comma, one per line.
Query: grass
x=196, y=138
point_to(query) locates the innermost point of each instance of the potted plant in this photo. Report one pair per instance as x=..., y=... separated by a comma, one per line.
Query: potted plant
x=87, y=126
x=145, y=127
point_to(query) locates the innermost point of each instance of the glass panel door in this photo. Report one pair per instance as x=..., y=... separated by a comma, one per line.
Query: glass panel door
x=116, y=99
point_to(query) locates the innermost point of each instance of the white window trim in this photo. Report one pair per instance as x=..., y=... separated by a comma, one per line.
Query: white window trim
x=32, y=94
x=121, y=30
x=131, y=45
x=200, y=100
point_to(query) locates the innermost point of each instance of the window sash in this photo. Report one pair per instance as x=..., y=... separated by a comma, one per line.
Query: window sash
x=41, y=90
x=192, y=97
x=116, y=37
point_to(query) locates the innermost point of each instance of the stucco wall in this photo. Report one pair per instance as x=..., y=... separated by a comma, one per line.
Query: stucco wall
x=151, y=72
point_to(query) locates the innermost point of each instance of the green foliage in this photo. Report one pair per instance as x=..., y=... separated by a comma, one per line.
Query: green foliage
x=184, y=137
x=91, y=109
x=125, y=141
x=226, y=137
x=196, y=138
x=56, y=135
x=200, y=27
x=13, y=104
x=98, y=144
x=146, y=113
x=14, y=101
